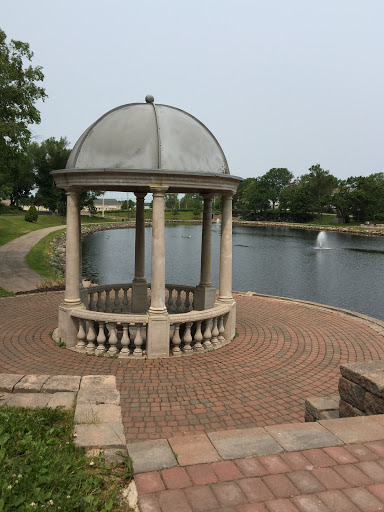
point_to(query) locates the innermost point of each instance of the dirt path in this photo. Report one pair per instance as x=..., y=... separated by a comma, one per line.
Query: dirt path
x=15, y=274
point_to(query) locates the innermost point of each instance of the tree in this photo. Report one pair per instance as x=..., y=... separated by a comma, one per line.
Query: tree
x=276, y=179
x=257, y=195
x=367, y=196
x=320, y=185
x=240, y=199
x=170, y=201
x=19, y=91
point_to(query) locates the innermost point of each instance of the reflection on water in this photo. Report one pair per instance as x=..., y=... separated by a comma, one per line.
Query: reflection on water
x=271, y=260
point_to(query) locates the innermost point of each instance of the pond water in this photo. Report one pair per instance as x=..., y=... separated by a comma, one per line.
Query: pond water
x=332, y=268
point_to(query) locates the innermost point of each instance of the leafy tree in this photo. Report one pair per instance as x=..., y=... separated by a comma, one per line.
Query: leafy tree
x=367, y=196
x=320, y=184
x=170, y=201
x=257, y=195
x=186, y=201
x=240, y=198
x=342, y=200
x=275, y=180
x=19, y=91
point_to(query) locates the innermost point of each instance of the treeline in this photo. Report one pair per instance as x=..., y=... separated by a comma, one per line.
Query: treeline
x=278, y=196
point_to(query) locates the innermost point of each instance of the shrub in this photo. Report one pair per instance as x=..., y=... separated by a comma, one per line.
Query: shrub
x=31, y=215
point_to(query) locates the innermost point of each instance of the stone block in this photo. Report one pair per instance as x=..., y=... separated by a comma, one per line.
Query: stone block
x=61, y=383
x=62, y=400
x=8, y=381
x=235, y=444
x=105, y=435
x=355, y=430
x=113, y=456
x=347, y=410
x=373, y=404
x=308, y=417
x=151, y=456
x=92, y=413
x=302, y=436
x=352, y=393
x=369, y=375
x=329, y=415
x=4, y=398
x=30, y=400
x=31, y=384
x=98, y=396
x=98, y=381
x=194, y=449
x=317, y=404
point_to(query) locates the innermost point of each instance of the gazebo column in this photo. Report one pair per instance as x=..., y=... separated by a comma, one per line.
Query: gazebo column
x=158, y=320
x=67, y=326
x=139, y=284
x=205, y=293
x=225, y=291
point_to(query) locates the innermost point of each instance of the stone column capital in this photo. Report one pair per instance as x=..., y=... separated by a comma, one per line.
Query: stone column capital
x=158, y=190
x=140, y=195
x=227, y=194
x=208, y=196
x=73, y=192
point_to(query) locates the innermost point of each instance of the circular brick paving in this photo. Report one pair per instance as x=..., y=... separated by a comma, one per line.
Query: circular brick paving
x=285, y=352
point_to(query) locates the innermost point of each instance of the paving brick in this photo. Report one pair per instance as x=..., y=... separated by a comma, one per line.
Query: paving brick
x=176, y=478
x=149, y=503
x=329, y=478
x=336, y=501
x=229, y=494
x=193, y=449
x=173, y=501
x=309, y=503
x=300, y=436
x=280, y=486
x=361, y=452
x=373, y=470
x=377, y=490
x=305, y=482
x=201, y=498
x=226, y=470
x=295, y=460
x=353, y=475
x=251, y=507
x=149, y=482
x=250, y=467
x=281, y=505
x=274, y=464
x=201, y=474
x=340, y=455
x=319, y=458
x=363, y=499
x=377, y=447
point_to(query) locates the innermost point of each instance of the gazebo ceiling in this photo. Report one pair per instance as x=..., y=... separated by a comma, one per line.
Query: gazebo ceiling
x=140, y=145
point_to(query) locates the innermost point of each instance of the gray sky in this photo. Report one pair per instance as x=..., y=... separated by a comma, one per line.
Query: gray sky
x=280, y=83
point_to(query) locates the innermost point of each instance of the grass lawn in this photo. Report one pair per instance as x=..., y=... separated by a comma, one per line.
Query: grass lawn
x=40, y=467
x=4, y=293
x=38, y=257
x=13, y=227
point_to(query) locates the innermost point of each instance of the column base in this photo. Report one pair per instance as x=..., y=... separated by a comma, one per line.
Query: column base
x=158, y=339
x=139, y=296
x=68, y=328
x=204, y=297
x=230, y=325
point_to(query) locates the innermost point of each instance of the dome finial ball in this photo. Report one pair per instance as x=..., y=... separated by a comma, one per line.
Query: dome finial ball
x=149, y=98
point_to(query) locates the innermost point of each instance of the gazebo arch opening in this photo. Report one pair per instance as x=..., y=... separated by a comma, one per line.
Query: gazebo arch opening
x=146, y=148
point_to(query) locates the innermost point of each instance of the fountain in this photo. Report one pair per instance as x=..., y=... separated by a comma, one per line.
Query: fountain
x=320, y=241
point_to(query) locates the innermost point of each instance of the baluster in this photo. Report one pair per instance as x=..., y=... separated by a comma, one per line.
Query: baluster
x=91, y=304
x=176, y=341
x=221, y=330
x=117, y=303
x=91, y=336
x=112, y=339
x=178, y=302
x=80, y=345
x=187, y=338
x=207, y=335
x=215, y=333
x=198, y=347
x=125, y=300
x=124, y=352
x=131, y=333
x=108, y=305
x=138, y=352
x=99, y=303
x=187, y=304
x=101, y=339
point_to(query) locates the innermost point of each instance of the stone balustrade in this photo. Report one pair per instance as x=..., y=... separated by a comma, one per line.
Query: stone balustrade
x=125, y=335
x=116, y=298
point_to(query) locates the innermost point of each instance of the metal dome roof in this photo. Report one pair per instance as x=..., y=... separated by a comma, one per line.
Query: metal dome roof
x=145, y=136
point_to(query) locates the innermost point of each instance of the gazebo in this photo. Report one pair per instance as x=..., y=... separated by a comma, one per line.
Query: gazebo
x=148, y=148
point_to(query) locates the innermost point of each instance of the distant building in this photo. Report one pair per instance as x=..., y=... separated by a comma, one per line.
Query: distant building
x=109, y=205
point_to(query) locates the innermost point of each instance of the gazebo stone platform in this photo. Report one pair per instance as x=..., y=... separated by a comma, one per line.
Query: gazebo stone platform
x=158, y=149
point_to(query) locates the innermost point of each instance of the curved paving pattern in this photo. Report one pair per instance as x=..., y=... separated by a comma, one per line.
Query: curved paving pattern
x=285, y=352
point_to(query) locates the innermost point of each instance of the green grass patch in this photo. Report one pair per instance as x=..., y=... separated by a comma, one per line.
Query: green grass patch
x=38, y=257
x=4, y=293
x=41, y=467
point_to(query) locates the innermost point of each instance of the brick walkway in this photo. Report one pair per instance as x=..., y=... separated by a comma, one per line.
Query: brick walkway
x=285, y=352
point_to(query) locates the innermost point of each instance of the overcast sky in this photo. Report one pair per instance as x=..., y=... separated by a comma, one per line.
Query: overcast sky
x=280, y=83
